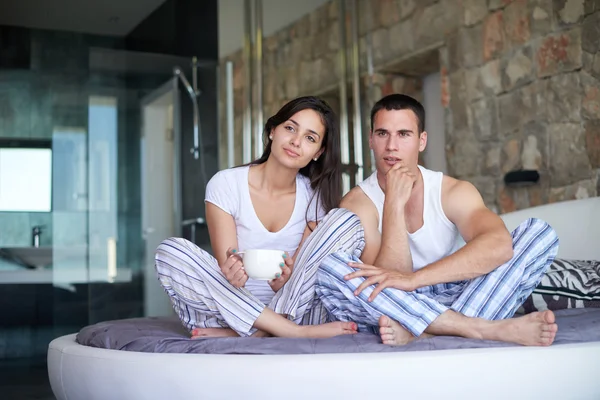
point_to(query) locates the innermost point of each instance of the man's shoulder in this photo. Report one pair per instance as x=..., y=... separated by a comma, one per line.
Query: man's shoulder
x=459, y=194
x=356, y=200
x=452, y=186
x=355, y=195
x=360, y=204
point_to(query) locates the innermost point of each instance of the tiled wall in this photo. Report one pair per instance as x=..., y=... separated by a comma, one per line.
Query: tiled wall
x=15, y=228
x=43, y=84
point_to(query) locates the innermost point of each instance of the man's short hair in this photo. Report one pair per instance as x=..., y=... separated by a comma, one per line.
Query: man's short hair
x=399, y=101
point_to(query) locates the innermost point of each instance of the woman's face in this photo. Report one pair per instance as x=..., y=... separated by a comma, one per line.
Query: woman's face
x=297, y=141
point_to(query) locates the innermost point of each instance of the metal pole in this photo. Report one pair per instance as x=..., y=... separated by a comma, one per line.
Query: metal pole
x=357, y=117
x=344, y=140
x=369, y=158
x=229, y=112
x=258, y=73
x=247, y=54
x=177, y=192
x=195, y=75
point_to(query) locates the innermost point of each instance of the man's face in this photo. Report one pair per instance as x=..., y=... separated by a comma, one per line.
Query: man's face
x=395, y=138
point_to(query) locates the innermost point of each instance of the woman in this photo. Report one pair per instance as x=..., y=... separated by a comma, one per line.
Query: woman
x=273, y=203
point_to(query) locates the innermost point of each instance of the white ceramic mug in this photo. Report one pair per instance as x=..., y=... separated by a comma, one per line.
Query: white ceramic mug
x=261, y=264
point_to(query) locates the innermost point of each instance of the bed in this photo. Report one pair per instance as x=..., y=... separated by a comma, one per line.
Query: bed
x=156, y=360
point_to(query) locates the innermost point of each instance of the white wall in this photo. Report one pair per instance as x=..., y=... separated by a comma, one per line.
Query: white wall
x=435, y=153
x=276, y=15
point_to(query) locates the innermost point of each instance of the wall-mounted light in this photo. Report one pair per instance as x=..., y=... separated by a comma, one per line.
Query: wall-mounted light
x=521, y=178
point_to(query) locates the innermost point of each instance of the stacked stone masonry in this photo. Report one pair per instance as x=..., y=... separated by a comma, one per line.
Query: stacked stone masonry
x=520, y=83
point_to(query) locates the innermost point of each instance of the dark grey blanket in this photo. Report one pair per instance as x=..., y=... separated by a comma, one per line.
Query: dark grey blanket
x=166, y=335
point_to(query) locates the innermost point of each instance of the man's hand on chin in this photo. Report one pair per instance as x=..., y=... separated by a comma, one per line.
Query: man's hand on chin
x=382, y=278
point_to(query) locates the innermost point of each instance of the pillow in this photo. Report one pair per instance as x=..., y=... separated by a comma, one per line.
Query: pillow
x=566, y=284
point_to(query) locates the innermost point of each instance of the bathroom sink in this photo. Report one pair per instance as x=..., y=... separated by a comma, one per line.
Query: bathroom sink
x=30, y=257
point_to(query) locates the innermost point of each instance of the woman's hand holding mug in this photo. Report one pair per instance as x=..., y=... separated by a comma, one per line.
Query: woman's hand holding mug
x=233, y=269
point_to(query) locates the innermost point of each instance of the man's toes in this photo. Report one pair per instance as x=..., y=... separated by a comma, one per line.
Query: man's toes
x=547, y=335
x=388, y=339
x=386, y=329
x=388, y=336
x=384, y=320
x=549, y=317
x=547, y=341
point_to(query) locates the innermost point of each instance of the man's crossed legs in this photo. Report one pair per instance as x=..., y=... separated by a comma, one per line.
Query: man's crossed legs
x=480, y=308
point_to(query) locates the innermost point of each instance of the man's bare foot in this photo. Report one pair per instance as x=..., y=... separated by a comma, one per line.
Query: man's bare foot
x=329, y=330
x=201, y=333
x=535, y=329
x=392, y=333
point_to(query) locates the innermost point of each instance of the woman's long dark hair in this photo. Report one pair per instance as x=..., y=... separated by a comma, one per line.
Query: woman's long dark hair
x=325, y=173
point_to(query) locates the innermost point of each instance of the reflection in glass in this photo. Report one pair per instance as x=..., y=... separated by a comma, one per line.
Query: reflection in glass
x=25, y=179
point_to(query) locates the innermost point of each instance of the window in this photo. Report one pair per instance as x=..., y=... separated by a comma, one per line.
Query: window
x=25, y=176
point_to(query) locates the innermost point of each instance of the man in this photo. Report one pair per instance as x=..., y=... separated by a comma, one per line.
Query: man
x=412, y=279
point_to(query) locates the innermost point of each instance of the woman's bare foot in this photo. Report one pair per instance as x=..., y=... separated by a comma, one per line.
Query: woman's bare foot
x=329, y=330
x=260, y=333
x=201, y=333
x=535, y=329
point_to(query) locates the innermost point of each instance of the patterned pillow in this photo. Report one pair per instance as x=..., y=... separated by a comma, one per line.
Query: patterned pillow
x=566, y=284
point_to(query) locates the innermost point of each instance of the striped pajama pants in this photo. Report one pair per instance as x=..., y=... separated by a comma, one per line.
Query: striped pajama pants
x=203, y=298
x=494, y=296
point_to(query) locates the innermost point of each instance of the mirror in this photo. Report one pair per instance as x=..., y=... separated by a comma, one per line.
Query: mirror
x=26, y=176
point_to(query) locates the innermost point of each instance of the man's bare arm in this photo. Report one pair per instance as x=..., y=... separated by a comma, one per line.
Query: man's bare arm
x=488, y=242
x=394, y=252
x=358, y=202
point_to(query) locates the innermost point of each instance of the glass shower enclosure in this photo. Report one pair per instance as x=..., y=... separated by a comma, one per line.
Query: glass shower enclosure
x=118, y=164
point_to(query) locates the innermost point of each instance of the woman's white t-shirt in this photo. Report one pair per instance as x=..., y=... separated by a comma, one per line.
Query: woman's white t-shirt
x=229, y=190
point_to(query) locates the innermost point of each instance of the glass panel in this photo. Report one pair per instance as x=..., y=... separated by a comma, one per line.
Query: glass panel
x=102, y=183
x=69, y=229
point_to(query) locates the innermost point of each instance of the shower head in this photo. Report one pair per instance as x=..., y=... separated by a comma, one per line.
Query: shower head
x=178, y=72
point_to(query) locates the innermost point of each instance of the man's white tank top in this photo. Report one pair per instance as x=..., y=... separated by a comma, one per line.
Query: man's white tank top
x=438, y=237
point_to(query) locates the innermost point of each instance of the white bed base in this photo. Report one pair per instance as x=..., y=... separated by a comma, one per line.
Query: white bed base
x=557, y=372
x=561, y=371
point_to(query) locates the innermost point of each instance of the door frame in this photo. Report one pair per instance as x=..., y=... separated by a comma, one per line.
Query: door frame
x=170, y=86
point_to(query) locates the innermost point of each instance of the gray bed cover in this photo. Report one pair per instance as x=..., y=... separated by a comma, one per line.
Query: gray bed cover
x=166, y=335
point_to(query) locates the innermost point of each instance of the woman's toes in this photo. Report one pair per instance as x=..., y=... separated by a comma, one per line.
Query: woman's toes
x=349, y=326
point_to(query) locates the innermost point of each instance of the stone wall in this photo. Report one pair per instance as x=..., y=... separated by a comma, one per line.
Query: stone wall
x=520, y=83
